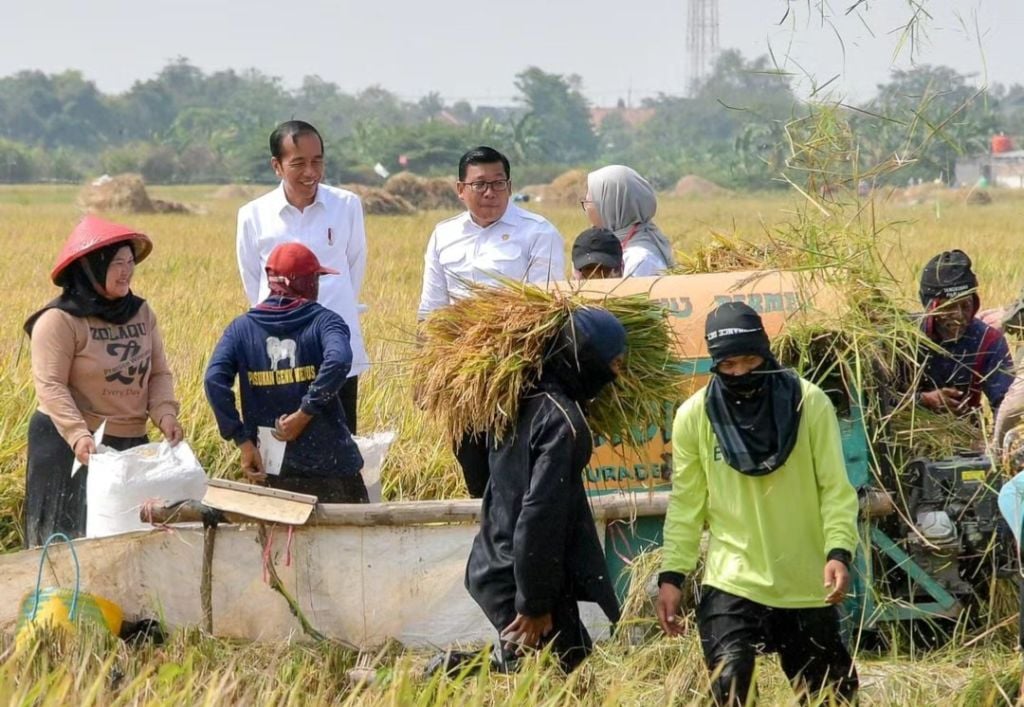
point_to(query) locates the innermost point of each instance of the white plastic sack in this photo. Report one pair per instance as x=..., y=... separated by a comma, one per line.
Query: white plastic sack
x=374, y=448
x=120, y=483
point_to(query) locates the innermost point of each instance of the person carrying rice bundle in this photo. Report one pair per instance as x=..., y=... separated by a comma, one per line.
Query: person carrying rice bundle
x=537, y=553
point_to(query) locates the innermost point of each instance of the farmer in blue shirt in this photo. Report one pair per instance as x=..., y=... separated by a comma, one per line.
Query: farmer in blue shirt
x=974, y=357
x=291, y=357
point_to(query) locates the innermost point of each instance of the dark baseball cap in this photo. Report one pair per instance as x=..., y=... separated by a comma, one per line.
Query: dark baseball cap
x=597, y=246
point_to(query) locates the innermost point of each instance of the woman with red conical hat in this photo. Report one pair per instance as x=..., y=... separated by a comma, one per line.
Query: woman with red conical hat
x=96, y=355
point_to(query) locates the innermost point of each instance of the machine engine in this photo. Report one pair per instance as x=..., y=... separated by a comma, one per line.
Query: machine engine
x=953, y=504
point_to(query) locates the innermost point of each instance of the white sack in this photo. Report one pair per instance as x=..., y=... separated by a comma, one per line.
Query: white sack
x=120, y=483
x=374, y=448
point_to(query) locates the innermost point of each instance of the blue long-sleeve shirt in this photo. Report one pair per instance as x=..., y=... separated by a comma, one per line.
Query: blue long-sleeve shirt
x=286, y=356
x=978, y=362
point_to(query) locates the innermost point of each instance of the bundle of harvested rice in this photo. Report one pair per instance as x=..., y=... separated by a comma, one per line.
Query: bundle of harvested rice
x=731, y=254
x=482, y=353
x=423, y=193
x=379, y=202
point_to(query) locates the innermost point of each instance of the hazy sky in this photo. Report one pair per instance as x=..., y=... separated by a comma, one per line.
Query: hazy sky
x=472, y=50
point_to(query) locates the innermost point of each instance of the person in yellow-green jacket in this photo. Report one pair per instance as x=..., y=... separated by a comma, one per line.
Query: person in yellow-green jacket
x=758, y=460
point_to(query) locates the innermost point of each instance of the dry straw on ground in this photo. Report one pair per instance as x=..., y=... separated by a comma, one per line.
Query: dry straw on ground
x=423, y=192
x=126, y=193
x=482, y=353
x=693, y=187
x=379, y=202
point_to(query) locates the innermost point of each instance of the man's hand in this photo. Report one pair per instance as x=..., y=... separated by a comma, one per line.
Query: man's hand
x=171, y=429
x=252, y=463
x=291, y=427
x=670, y=597
x=84, y=447
x=526, y=631
x=837, y=579
x=943, y=399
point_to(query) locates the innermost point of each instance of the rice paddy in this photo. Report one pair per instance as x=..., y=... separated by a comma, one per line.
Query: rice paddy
x=192, y=282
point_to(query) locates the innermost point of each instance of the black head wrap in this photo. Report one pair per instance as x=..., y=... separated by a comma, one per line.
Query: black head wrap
x=82, y=282
x=755, y=416
x=949, y=275
x=579, y=358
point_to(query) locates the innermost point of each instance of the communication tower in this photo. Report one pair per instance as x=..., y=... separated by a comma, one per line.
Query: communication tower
x=701, y=39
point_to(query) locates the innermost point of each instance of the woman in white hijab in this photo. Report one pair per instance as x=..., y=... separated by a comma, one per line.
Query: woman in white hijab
x=622, y=201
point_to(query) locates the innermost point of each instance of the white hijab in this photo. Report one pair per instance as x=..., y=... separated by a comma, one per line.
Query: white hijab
x=624, y=199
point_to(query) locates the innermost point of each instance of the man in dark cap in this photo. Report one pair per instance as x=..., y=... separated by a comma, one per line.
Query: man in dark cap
x=596, y=254
x=758, y=459
x=974, y=357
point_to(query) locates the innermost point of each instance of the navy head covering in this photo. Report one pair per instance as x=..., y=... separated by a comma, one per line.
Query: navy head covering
x=580, y=357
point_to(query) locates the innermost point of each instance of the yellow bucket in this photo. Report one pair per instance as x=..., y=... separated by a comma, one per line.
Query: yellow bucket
x=64, y=609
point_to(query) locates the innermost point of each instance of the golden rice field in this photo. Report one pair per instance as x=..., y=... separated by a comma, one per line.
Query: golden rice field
x=192, y=282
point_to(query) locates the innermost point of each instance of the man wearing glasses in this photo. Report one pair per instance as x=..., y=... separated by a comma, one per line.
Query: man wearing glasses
x=491, y=238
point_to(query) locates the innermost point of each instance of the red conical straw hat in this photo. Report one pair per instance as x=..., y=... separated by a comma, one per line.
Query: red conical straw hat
x=94, y=233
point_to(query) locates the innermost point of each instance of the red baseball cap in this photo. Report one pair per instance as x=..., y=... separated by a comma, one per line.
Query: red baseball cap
x=93, y=233
x=295, y=260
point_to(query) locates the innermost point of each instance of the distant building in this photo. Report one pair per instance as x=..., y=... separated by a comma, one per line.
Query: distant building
x=1002, y=167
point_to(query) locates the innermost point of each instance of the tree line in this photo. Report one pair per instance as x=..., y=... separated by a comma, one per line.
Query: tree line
x=736, y=128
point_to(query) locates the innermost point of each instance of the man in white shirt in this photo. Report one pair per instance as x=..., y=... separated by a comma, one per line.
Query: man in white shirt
x=327, y=220
x=492, y=237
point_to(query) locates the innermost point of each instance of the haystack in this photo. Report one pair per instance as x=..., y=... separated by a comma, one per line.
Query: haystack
x=977, y=197
x=126, y=193
x=567, y=188
x=236, y=192
x=691, y=186
x=379, y=202
x=480, y=354
x=423, y=193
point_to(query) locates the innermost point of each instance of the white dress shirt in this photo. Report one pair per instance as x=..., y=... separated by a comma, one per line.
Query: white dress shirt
x=520, y=246
x=332, y=227
x=638, y=261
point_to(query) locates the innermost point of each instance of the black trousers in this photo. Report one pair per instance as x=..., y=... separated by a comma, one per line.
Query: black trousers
x=336, y=489
x=55, y=501
x=813, y=656
x=472, y=454
x=349, y=397
x=569, y=640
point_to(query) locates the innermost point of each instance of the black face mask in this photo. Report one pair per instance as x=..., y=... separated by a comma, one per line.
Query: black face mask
x=747, y=384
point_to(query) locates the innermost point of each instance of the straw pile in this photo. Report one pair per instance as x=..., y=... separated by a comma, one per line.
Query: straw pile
x=236, y=192
x=566, y=189
x=694, y=187
x=480, y=354
x=126, y=193
x=423, y=193
x=379, y=202
x=731, y=254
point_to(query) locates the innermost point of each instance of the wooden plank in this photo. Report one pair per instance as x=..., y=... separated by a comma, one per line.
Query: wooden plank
x=609, y=507
x=604, y=508
x=260, y=506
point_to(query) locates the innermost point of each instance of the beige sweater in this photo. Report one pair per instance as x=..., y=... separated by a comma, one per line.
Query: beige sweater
x=87, y=370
